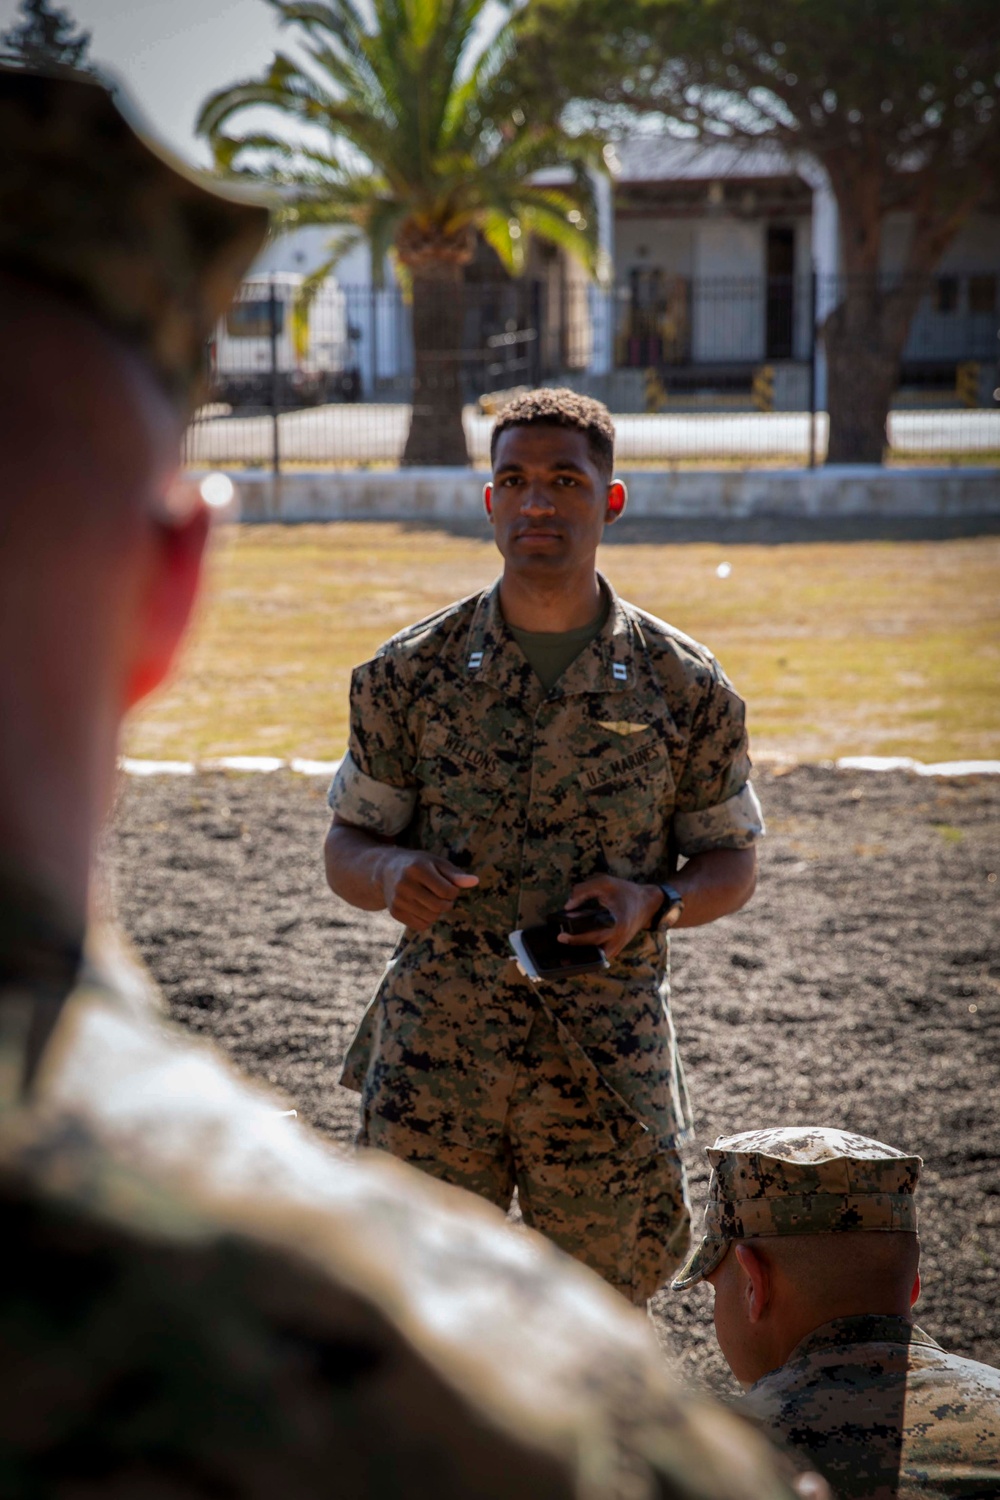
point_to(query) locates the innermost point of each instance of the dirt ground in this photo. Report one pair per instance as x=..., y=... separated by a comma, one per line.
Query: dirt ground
x=861, y=988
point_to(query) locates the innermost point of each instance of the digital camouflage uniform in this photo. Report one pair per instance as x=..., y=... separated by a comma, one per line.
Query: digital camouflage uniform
x=882, y=1411
x=572, y=1089
x=872, y=1403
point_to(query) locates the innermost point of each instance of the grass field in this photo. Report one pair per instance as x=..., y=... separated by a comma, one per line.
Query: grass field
x=875, y=648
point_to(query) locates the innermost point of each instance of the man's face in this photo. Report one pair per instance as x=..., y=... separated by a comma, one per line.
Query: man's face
x=548, y=502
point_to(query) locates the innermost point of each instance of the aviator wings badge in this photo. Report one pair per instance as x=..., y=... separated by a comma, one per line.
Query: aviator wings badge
x=622, y=726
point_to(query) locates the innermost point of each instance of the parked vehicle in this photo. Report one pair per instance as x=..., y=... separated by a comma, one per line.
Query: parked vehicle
x=268, y=352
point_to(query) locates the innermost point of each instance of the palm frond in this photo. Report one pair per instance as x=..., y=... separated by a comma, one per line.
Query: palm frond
x=417, y=127
x=578, y=240
x=284, y=87
x=380, y=230
x=464, y=96
x=498, y=226
x=313, y=15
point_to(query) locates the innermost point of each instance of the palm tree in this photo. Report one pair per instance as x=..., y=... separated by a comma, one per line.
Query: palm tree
x=411, y=138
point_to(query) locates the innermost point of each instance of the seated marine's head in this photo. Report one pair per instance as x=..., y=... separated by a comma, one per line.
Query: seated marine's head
x=804, y=1224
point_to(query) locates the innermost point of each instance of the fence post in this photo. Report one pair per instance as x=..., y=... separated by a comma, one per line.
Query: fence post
x=812, y=366
x=275, y=379
x=396, y=349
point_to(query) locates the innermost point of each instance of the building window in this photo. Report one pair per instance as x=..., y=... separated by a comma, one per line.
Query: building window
x=983, y=293
x=946, y=294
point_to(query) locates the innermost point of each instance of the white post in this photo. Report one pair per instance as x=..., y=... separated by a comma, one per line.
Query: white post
x=825, y=254
x=601, y=297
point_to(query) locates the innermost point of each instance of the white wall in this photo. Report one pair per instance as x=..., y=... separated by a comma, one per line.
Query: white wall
x=729, y=247
x=728, y=321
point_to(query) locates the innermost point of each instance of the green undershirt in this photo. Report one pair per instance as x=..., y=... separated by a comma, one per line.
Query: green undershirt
x=550, y=652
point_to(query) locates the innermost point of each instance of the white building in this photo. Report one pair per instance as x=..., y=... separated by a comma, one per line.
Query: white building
x=716, y=249
x=723, y=260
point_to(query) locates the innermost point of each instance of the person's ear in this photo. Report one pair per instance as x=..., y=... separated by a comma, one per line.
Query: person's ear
x=915, y=1290
x=488, y=499
x=176, y=552
x=617, y=501
x=757, y=1283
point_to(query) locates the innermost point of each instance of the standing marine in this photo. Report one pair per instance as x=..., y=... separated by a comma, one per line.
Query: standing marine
x=536, y=747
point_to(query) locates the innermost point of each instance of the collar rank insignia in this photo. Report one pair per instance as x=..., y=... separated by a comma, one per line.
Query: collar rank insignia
x=622, y=726
x=475, y=660
x=619, y=671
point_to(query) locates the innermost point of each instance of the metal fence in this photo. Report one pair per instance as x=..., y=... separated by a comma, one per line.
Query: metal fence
x=713, y=371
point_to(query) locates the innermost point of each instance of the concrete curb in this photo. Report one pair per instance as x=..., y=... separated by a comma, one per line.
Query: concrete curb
x=449, y=495
x=262, y=764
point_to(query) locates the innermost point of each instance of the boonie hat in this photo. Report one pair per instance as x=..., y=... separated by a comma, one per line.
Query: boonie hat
x=93, y=210
x=800, y=1179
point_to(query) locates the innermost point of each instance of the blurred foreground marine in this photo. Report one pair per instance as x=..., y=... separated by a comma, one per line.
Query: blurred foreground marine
x=811, y=1248
x=199, y=1298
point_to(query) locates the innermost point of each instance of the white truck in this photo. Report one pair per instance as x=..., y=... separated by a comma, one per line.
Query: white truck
x=263, y=355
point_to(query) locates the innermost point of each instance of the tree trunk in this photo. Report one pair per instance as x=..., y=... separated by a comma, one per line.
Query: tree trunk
x=864, y=338
x=861, y=377
x=866, y=333
x=436, y=433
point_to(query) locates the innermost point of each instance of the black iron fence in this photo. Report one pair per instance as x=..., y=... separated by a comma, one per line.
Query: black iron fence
x=712, y=370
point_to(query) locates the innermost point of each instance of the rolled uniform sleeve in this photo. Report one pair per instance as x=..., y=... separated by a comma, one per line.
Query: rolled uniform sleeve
x=715, y=805
x=375, y=787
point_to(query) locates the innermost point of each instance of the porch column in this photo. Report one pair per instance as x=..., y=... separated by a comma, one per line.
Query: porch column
x=601, y=298
x=825, y=254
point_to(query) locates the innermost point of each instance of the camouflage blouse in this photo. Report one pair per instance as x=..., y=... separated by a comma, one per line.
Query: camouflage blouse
x=637, y=754
x=882, y=1411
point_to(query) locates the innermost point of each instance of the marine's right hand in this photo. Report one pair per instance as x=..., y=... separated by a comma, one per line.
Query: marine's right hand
x=419, y=888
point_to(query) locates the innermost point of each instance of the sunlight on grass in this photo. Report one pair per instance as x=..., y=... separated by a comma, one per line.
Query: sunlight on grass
x=880, y=648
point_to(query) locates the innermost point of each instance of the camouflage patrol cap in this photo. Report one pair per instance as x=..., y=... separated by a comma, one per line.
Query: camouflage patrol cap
x=800, y=1179
x=92, y=210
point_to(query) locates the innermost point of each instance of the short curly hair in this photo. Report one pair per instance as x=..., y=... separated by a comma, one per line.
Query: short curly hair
x=556, y=406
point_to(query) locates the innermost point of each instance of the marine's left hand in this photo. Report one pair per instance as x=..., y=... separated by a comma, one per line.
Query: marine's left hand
x=631, y=905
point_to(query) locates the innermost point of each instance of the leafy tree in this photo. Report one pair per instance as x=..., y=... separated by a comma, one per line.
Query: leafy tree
x=403, y=134
x=45, y=36
x=899, y=100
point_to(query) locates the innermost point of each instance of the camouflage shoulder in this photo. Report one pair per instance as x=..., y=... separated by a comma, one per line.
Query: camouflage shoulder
x=428, y=637
x=670, y=650
x=320, y=1376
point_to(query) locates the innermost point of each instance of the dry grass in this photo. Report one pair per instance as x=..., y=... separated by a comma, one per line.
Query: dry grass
x=840, y=648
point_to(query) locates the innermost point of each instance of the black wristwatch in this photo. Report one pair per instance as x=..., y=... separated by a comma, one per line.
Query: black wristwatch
x=668, y=913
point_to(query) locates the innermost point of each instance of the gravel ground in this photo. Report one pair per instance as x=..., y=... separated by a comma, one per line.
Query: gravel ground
x=861, y=987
